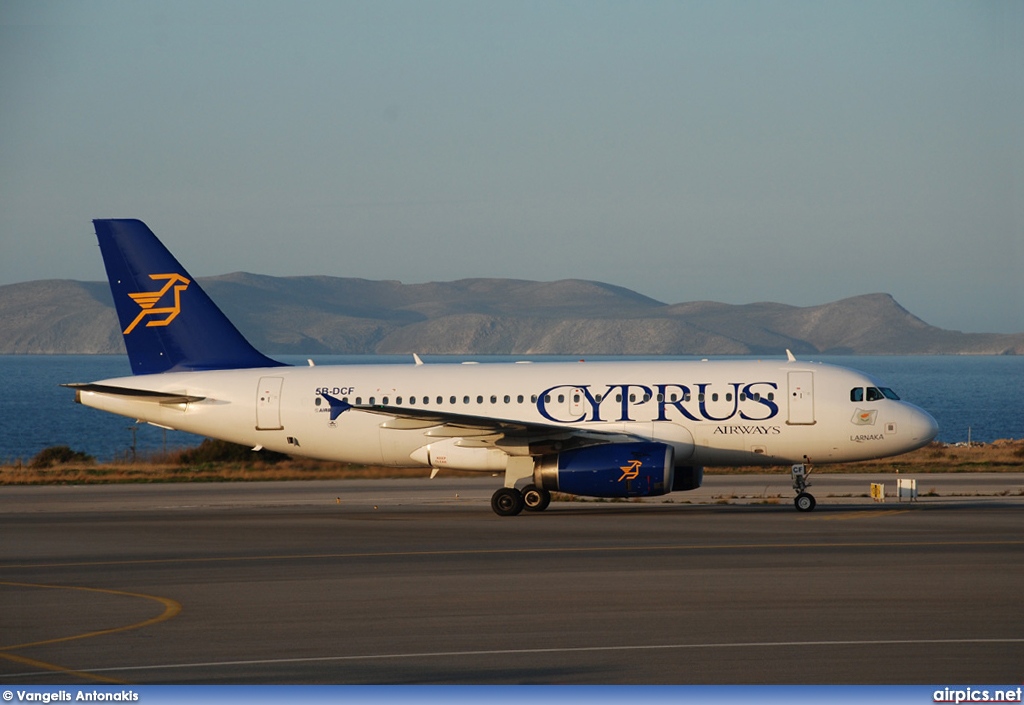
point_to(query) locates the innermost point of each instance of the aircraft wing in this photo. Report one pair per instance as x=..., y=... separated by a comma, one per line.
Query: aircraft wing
x=424, y=418
x=482, y=430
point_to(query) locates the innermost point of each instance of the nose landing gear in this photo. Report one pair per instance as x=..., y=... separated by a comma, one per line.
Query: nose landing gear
x=804, y=501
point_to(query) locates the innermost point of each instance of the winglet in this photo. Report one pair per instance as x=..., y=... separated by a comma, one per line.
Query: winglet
x=338, y=406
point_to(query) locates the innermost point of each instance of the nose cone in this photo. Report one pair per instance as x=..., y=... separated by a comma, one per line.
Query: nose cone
x=922, y=426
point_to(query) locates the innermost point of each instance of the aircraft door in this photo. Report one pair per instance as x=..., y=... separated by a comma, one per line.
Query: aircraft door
x=268, y=404
x=801, y=398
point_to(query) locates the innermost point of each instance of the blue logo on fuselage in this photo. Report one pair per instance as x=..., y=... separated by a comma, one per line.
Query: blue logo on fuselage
x=750, y=402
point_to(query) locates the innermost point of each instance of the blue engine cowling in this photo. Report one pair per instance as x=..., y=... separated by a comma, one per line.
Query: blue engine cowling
x=611, y=470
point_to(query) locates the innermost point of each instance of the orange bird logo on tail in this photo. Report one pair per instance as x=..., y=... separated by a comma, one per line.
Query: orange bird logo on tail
x=148, y=300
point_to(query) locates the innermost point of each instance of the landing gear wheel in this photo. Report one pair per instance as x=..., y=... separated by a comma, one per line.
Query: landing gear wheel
x=804, y=502
x=535, y=499
x=507, y=502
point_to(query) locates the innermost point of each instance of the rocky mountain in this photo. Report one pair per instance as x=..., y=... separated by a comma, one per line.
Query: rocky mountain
x=311, y=315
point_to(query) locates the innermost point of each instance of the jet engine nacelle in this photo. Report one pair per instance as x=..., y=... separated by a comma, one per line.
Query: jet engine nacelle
x=611, y=470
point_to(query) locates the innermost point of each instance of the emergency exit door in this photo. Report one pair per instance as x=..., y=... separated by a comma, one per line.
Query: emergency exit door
x=801, y=398
x=268, y=404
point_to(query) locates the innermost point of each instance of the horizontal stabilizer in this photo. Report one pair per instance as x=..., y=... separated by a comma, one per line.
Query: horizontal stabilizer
x=137, y=394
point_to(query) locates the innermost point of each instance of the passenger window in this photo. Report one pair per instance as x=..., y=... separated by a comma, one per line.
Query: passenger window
x=519, y=399
x=857, y=394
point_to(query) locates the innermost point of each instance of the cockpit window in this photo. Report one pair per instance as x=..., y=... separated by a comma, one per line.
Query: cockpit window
x=859, y=394
x=872, y=394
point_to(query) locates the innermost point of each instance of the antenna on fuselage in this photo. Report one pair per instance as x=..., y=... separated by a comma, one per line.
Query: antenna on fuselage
x=790, y=357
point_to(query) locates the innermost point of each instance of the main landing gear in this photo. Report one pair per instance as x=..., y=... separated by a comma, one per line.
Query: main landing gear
x=508, y=501
x=804, y=501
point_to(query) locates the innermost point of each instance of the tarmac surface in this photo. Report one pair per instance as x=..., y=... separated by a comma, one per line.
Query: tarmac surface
x=417, y=581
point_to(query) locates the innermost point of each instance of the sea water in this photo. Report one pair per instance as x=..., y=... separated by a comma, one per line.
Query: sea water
x=976, y=396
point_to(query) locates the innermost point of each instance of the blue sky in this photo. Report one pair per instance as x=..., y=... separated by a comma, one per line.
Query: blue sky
x=799, y=152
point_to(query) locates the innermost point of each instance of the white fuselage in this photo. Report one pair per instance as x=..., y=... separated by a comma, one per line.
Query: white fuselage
x=732, y=412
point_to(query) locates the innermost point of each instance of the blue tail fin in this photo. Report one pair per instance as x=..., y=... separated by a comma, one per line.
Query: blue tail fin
x=169, y=323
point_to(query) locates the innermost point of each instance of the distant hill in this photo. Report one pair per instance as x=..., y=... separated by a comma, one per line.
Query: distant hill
x=310, y=315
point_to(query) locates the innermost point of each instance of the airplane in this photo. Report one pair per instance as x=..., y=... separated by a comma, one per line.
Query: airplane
x=612, y=429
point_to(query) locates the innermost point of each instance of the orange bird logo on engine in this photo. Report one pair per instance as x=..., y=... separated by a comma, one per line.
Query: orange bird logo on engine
x=148, y=300
x=631, y=471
